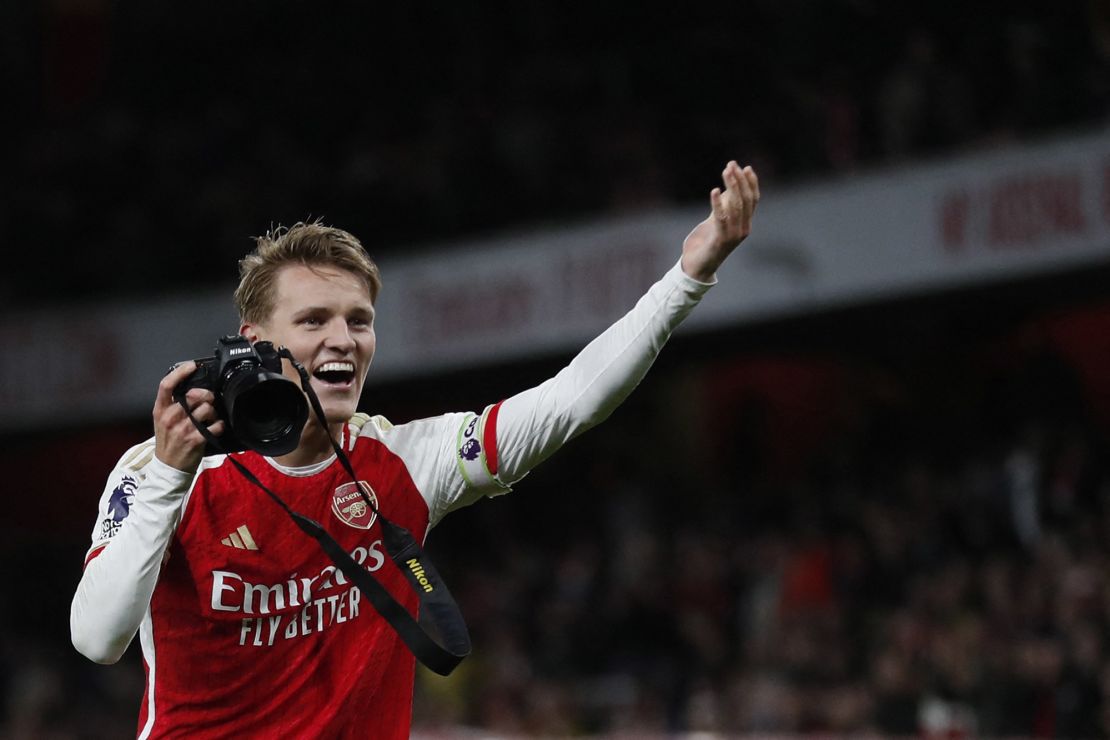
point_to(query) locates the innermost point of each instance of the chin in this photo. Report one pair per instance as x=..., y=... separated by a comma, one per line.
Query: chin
x=339, y=413
x=337, y=407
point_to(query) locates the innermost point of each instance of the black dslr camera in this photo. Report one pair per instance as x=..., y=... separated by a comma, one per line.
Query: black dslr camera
x=261, y=408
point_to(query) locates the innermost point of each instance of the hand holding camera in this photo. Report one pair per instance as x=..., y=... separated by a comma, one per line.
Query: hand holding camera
x=239, y=394
x=178, y=443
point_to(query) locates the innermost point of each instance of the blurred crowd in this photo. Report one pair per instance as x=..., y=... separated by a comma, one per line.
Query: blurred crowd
x=926, y=566
x=152, y=140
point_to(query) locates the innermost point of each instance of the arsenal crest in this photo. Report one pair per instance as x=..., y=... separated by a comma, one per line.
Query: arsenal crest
x=351, y=508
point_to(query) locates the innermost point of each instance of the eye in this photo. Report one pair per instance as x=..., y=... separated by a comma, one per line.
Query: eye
x=310, y=321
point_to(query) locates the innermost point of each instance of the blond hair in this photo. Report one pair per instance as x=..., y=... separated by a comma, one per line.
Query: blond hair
x=309, y=244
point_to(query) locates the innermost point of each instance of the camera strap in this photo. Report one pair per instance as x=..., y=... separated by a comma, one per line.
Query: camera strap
x=436, y=602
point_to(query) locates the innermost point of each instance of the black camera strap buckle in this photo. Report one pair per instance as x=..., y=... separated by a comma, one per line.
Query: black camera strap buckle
x=436, y=602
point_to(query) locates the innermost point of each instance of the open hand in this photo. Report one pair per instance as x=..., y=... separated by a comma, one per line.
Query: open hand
x=729, y=222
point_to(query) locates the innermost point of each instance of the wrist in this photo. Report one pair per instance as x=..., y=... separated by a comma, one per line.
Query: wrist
x=165, y=478
x=183, y=462
x=698, y=270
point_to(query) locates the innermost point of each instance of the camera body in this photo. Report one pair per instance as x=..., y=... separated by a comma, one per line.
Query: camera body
x=261, y=408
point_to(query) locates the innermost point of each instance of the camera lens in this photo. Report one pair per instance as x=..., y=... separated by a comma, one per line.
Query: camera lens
x=267, y=411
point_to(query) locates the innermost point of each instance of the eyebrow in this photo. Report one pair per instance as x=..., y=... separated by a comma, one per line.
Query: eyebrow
x=309, y=310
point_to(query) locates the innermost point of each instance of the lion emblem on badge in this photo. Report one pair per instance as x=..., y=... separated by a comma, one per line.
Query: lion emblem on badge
x=348, y=504
x=470, y=450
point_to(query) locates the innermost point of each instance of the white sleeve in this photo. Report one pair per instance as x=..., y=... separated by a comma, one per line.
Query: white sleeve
x=139, y=511
x=533, y=424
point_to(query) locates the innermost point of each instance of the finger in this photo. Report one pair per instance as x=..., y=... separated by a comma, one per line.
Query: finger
x=732, y=177
x=745, y=197
x=171, y=380
x=196, y=396
x=753, y=180
x=726, y=175
x=187, y=429
x=716, y=205
x=734, y=170
x=216, y=429
x=204, y=412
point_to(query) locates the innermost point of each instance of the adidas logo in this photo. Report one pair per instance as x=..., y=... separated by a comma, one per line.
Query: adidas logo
x=241, y=539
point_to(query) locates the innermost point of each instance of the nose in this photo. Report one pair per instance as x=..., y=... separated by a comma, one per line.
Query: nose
x=339, y=336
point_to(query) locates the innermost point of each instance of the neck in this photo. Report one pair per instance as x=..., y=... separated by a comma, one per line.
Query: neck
x=315, y=445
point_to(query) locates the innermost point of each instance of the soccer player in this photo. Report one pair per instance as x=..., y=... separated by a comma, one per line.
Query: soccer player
x=247, y=629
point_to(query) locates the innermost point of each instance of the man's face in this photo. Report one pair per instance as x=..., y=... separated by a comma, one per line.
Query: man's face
x=325, y=317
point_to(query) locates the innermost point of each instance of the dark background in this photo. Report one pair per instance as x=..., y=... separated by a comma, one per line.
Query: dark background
x=809, y=525
x=152, y=140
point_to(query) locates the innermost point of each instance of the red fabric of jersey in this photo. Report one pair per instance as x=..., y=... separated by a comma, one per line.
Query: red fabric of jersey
x=260, y=634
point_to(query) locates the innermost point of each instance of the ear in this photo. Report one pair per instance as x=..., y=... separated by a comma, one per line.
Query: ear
x=250, y=331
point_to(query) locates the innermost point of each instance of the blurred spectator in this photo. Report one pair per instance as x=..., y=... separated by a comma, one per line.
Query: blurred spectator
x=137, y=124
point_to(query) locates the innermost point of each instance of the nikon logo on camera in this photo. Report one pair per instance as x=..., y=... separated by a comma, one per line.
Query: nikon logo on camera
x=240, y=350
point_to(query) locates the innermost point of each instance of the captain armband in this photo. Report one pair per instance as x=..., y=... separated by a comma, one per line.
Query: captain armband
x=476, y=452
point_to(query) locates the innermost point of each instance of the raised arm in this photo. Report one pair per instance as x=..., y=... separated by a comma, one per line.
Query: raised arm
x=533, y=424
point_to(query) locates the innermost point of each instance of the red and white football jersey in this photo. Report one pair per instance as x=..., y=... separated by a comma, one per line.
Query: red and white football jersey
x=252, y=632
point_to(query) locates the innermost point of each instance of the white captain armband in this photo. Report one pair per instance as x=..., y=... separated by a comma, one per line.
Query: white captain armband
x=476, y=452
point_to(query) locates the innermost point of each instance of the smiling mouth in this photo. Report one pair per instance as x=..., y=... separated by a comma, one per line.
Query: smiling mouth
x=338, y=374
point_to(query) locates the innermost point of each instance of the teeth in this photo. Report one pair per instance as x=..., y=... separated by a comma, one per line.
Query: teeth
x=336, y=367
